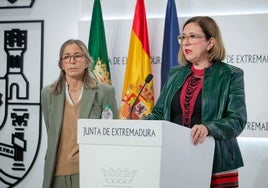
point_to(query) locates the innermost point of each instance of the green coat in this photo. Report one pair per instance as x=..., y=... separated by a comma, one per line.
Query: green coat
x=92, y=104
x=223, y=109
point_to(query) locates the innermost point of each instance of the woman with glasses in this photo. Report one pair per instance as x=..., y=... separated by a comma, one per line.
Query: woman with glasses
x=76, y=94
x=206, y=95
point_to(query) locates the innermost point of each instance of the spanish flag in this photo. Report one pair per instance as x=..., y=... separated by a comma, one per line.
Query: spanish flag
x=137, y=68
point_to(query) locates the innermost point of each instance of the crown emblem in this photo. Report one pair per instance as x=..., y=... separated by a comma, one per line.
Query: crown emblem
x=118, y=176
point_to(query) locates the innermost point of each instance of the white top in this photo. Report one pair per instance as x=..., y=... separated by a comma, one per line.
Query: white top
x=68, y=97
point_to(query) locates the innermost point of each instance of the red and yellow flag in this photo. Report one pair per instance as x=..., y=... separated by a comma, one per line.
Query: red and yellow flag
x=137, y=68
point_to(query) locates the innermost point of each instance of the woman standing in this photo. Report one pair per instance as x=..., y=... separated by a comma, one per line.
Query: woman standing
x=76, y=94
x=206, y=95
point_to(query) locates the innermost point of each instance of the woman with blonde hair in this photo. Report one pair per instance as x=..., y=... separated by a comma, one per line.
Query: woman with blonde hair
x=76, y=94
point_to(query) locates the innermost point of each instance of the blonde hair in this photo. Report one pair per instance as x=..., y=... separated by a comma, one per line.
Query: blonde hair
x=88, y=79
x=211, y=29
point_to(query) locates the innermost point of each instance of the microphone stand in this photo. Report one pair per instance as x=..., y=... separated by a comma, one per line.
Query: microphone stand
x=132, y=107
x=147, y=80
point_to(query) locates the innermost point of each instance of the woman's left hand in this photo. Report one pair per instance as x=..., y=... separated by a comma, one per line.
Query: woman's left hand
x=199, y=133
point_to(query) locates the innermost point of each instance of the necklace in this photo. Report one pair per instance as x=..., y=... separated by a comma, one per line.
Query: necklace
x=75, y=90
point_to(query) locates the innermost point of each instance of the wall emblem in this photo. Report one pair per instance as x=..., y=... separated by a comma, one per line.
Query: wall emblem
x=16, y=4
x=20, y=110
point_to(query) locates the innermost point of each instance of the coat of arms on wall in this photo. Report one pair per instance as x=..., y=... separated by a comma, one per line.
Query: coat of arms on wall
x=16, y=3
x=21, y=59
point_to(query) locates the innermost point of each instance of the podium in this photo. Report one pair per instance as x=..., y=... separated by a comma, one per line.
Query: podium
x=141, y=154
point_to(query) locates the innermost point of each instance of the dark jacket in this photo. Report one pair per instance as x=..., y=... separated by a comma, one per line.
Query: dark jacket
x=92, y=104
x=223, y=109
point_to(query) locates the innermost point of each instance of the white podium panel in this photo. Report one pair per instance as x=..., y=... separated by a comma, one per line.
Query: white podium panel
x=141, y=154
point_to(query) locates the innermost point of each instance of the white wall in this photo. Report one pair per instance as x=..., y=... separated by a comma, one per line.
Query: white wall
x=61, y=22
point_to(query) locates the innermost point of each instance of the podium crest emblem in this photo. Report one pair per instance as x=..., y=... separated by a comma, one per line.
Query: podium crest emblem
x=118, y=177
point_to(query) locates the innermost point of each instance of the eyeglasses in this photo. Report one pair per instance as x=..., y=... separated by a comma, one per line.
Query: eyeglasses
x=77, y=57
x=192, y=38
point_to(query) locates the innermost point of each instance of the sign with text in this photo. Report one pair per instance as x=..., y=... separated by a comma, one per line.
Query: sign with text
x=141, y=153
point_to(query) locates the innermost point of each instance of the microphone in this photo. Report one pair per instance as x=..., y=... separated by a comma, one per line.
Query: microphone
x=147, y=80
